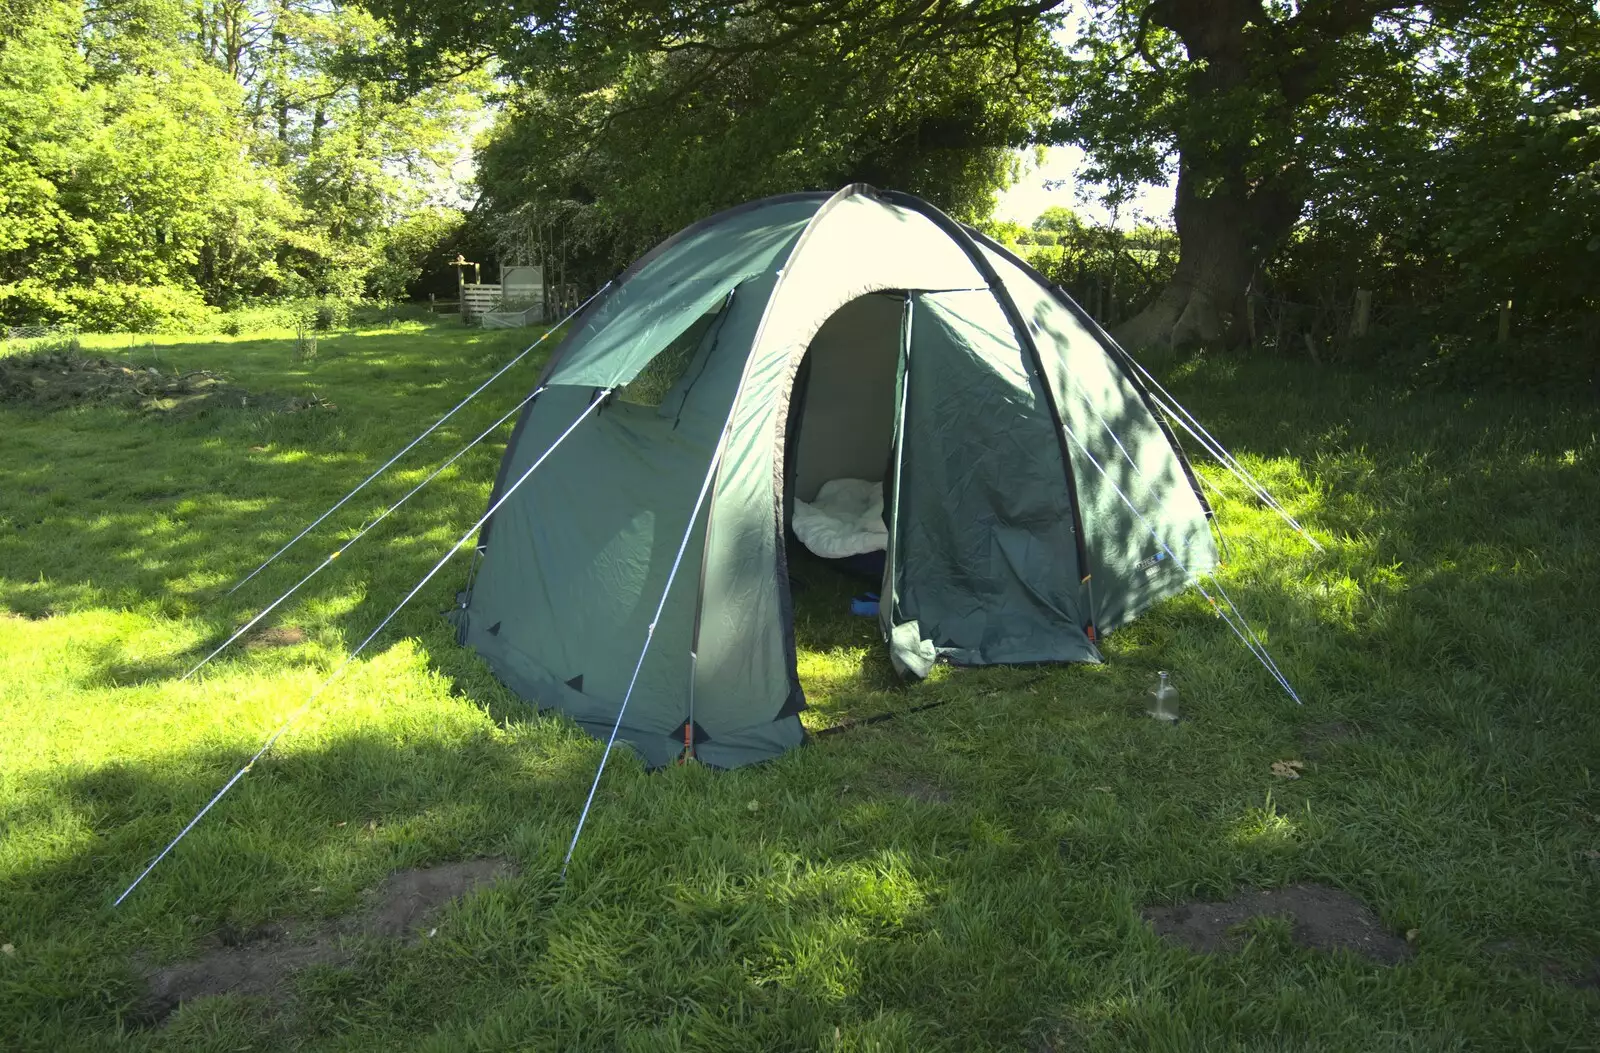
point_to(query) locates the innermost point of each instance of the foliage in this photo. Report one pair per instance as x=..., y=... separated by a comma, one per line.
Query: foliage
x=406, y=248
x=168, y=156
x=1110, y=271
x=1437, y=146
x=1492, y=199
x=625, y=123
x=967, y=877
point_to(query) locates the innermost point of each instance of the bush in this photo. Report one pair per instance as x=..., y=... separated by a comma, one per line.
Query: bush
x=110, y=307
x=320, y=315
x=30, y=302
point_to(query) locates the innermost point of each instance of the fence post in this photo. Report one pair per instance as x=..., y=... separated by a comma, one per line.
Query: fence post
x=1363, y=316
x=1505, y=321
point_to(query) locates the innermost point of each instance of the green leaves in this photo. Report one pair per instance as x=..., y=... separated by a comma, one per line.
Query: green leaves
x=163, y=156
x=629, y=119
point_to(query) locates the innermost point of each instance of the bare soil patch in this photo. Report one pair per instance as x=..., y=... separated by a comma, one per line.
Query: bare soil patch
x=1529, y=958
x=1324, y=918
x=59, y=379
x=277, y=636
x=259, y=962
x=409, y=897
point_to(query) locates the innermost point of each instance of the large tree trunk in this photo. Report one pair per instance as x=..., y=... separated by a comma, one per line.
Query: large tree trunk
x=1222, y=236
x=1238, y=195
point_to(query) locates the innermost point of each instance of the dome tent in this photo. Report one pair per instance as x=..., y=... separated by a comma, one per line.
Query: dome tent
x=638, y=581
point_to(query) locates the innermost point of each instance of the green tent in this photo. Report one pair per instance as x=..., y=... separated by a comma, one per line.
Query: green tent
x=638, y=581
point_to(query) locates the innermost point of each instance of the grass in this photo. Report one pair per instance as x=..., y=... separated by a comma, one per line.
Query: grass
x=966, y=877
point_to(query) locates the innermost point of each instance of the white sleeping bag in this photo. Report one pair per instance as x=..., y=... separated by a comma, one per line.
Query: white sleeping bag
x=844, y=519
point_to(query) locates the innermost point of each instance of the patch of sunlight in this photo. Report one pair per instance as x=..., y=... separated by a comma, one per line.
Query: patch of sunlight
x=1263, y=828
x=879, y=889
x=1106, y=1010
x=329, y=606
x=401, y=327
x=828, y=671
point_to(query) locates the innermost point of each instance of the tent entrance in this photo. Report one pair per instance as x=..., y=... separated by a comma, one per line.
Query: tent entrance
x=841, y=431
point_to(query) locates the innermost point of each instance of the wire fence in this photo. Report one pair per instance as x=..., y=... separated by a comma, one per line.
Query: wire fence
x=39, y=331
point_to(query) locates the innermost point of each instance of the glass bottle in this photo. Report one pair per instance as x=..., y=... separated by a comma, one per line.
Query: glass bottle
x=1164, y=700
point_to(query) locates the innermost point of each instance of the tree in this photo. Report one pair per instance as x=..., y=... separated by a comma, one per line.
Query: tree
x=1271, y=110
x=1259, y=108
x=163, y=157
x=1058, y=220
x=606, y=156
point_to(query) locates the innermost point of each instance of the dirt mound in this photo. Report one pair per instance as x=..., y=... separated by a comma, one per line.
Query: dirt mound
x=258, y=962
x=277, y=636
x=63, y=378
x=1324, y=918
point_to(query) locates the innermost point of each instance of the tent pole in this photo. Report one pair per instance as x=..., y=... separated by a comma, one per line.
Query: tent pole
x=888, y=612
x=408, y=446
x=351, y=657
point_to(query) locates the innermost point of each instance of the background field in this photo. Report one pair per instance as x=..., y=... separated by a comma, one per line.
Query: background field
x=964, y=877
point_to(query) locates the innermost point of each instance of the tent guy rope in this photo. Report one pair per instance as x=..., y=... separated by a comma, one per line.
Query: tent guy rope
x=1176, y=411
x=650, y=633
x=1252, y=642
x=410, y=445
x=351, y=657
x=342, y=549
x=1248, y=635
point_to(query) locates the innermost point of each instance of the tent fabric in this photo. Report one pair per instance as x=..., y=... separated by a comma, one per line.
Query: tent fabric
x=885, y=335
x=1102, y=410
x=986, y=564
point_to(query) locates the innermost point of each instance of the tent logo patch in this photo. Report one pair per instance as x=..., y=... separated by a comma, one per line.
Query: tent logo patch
x=1150, y=563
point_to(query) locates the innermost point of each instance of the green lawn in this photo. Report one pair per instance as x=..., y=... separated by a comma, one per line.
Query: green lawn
x=965, y=877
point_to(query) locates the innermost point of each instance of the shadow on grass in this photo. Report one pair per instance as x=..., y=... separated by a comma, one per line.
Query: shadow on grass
x=963, y=871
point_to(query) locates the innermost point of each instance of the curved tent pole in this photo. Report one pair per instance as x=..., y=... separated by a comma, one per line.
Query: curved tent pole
x=1030, y=350
x=828, y=202
x=1132, y=368
x=408, y=446
x=706, y=486
x=351, y=657
x=1110, y=346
